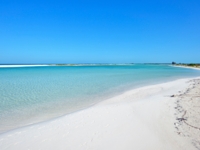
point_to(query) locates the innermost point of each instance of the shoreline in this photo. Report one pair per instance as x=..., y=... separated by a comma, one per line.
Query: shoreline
x=196, y=68
x=109, y=122
x=24, y=118
x=115, y=98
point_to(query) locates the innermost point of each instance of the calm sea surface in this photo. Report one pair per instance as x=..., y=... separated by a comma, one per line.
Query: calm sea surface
x=33, y=94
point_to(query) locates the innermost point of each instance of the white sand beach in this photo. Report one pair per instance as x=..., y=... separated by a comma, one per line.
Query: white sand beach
x=180, y=66
x=148, y=118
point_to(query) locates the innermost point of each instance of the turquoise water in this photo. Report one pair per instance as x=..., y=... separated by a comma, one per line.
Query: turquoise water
x=33, y=94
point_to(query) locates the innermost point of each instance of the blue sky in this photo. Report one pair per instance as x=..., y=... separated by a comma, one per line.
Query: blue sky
x=99, y=31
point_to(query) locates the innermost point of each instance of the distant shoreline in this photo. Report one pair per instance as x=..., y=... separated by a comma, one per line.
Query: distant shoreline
x=81, y=64
x=60, y=65
x=187, y=66
x=13, y=66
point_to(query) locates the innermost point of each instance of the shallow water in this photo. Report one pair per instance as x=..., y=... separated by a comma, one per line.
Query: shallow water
x=34, y=94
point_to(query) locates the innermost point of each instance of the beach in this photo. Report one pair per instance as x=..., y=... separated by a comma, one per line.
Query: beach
x=189, y=67
x=99, y=75
x=145, y=118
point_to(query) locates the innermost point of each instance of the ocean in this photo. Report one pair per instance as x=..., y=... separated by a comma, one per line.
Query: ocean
x=34, y=94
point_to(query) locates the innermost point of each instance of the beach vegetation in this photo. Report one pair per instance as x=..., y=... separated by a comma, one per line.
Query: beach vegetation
x=196, y=65
x=173, y=63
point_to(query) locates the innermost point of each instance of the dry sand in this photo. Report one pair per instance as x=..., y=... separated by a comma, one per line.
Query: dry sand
x=157, y=117
x=188, y=113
